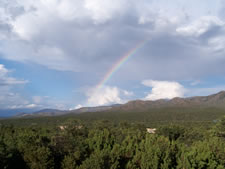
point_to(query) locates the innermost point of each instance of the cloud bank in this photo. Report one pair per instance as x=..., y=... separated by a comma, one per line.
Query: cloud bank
x=182, y=42
x=91, y=35
x=107, y=95
x=163, y=89
x=103, y=96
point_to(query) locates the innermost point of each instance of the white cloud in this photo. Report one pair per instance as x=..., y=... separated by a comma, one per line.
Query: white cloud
x=103, y=96
x=3, y=70
x=78, y=106
x=127, y=93
x=217, y=43
x=9, y=98
x=39, y=13
x=200, y=26
x=24, y=106
x=31, y=106
x=5, y=80
x=101, y=11
x=163, y=89
x=89, y=36
x=14, y=100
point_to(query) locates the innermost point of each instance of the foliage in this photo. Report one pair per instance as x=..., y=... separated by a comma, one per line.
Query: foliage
x=106, y=144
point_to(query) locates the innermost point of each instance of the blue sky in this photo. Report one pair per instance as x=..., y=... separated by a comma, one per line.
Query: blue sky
x=54, y=53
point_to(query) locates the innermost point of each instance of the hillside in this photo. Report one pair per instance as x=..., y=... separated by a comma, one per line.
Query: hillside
x=200, y=108
x=55, y=112
x=215, y=100
x=193, y=109
x=43, y=112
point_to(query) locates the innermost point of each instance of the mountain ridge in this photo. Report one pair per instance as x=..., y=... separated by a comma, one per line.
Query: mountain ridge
x=214, y=100
x=217, y=99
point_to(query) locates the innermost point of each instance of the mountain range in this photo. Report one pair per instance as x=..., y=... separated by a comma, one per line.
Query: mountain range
x=214, y=100
x=55, y=112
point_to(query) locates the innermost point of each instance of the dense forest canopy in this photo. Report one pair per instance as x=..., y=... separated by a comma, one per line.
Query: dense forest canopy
x=68, y=142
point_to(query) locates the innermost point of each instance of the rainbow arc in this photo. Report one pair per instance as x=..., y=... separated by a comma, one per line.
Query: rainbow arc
x=119, y=63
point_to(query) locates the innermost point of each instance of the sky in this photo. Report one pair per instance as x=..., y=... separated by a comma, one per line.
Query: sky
x=67, y=54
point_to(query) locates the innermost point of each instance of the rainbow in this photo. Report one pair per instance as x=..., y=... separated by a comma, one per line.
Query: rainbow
x=119, y=63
